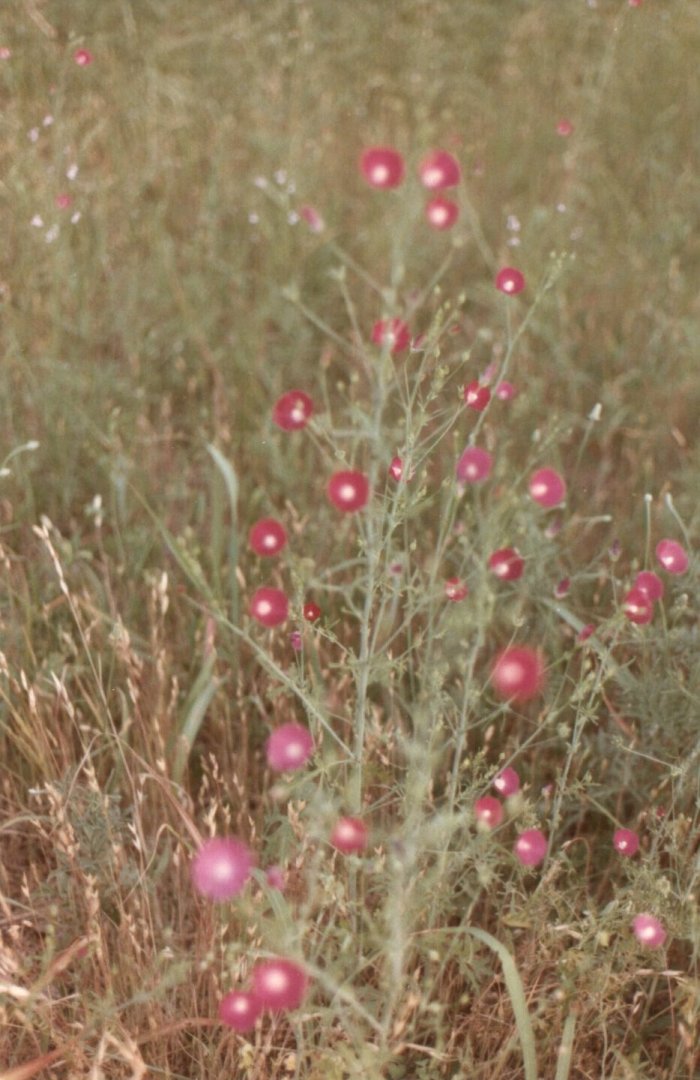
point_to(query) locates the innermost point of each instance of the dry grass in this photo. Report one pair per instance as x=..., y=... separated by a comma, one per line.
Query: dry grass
x=136, y=694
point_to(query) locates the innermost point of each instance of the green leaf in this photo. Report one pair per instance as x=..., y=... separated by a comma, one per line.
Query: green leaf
x=198, y=702
x=516, y=993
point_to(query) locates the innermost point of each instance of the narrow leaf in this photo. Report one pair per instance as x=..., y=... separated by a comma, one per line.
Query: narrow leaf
x=517, y=999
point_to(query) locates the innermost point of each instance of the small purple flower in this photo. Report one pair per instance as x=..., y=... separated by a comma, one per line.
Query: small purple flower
x=221, y=867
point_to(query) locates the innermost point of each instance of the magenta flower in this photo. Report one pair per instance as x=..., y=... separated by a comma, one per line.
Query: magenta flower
x=269, y=606
x=649, y=931
x=650, y=583
x=292, y=410
x=476, y=396
x=455, y=589
x=547, y=487
x=505, y=391
x=441, y=213
x=518, y=673
x=531, y=847
x=510, y=281
x=289, y=747
x=638, y=606
x=391, y=334
x=349, y=835
x=488, y=811
x=396, y=468
x=382, y=166
x=474, y=465
x=267, y=537
x=221, y=868
x=239, y=1010
x=507, y=564
x=279, y=984
x=439, y=170
x=672, y=556
x=348, y=490
x=311, y=611
x=507, y=782
x=626, y=842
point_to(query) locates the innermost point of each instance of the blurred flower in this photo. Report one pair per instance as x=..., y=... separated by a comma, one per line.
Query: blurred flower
x=221, y=868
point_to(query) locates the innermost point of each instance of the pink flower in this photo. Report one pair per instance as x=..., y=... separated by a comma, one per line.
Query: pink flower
x=477, y=396
x=391, y=334
x=289, y=747
x=267, y=537
x=505, y=391
x=269, y=606
x=311, y=611
x=474, y=465
x=507, y=782
x=348, y=490
x=518, y=673
x=349, y=835
x=650, y=583
x=649, y=931
x=672, y=556
x=439, y=170
x=441, y=213
x=239, y=1010
x=382, y=166
x=547, y=487
x=455, y=589
x=510, y=281
x=292, y=410
x=507, y=564
x=488, y=811
x=82, y=57
x=638, y=606
x=313, y=219
x=221, y=868
x=531, y=847
x=279, y=984
x=626, y=842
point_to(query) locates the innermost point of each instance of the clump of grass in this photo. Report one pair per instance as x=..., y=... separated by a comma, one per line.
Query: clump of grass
x=410, y=789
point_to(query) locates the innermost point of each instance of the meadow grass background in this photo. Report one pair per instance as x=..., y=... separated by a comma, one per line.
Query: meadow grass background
x=170, y=316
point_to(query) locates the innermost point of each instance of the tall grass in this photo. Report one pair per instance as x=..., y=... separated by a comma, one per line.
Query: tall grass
x=149, y=324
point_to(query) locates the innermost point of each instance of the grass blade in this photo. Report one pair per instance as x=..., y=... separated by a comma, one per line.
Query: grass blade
x=566, y=1047
x=516, y=993
x=198, y=702
x=228, y=474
